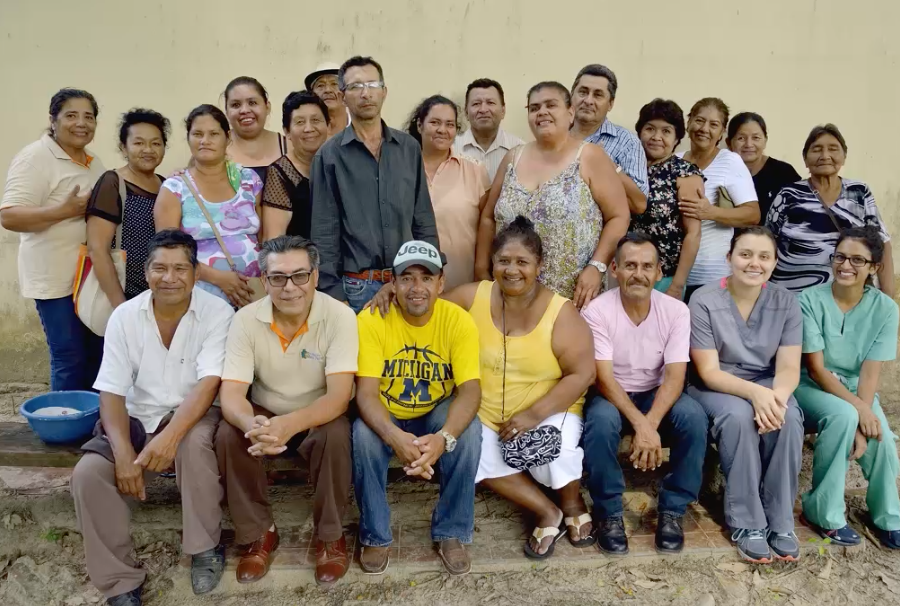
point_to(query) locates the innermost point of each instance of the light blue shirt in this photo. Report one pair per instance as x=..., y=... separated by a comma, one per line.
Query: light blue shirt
x=625, y=149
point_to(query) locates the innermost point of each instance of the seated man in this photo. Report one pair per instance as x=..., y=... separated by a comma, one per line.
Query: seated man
x=301, y=386
x=641, y=347
x=162, y=362
x=418, y=390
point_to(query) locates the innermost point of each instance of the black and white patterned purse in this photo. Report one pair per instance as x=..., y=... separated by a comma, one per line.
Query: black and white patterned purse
x=535, y=447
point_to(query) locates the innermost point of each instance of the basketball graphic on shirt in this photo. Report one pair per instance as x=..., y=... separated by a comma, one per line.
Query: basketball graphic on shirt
x=417, y=377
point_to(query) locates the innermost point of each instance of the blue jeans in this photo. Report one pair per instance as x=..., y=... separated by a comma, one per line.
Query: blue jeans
x=454, y=515
x=684, y=429
x=359, y=292
x=75, y=352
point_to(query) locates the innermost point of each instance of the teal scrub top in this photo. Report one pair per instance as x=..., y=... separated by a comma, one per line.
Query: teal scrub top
x=866, y=332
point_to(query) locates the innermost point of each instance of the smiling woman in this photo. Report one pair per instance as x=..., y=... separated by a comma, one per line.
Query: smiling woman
x=247, y=107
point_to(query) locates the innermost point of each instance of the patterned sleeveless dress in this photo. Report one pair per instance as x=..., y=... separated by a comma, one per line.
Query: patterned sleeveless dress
x=565, y=216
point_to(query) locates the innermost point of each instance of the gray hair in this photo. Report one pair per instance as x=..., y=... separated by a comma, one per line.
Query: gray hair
x=600, y=71
x=285, y=244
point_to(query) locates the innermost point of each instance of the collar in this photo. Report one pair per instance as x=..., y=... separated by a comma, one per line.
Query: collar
x=350, y=135
x=265, y=312
x=607, y=128
x=147, y=303
x=501, y=140
x=60, y=154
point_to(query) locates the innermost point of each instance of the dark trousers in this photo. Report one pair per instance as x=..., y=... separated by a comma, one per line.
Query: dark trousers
x=75, y=352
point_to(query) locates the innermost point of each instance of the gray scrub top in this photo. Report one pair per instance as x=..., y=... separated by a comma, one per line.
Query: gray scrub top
x=746, y=349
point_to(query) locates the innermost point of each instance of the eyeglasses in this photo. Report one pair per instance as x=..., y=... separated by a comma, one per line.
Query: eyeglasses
x=280, y=280
x=358, y=87
x=855, y=260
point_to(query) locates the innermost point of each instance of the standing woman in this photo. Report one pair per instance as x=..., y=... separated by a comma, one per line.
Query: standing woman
x=808, y=216
x=569, y=190
x=47, y=190
x=723, y=170
x=746, y=338
x=230, y=194
x=247, y=106
x=286, y=205
x=143, y=135
x=458, y=186
x=660, y=127
x=849, y=332
x=747, y=137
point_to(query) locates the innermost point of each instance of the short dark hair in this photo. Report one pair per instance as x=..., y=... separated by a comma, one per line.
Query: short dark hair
x=421, y=112
x=741, y=119
x=753, y=230
x=246, y=81
x=824, y=129
x=206, y=110
x=284, y=244
x=711, y=102
x=868, y=236
x=358, y=61
x=486, y=83
x=637, y=238
x=139, y=115
x=567, y=97
x=173, y=238
x=520, y=229
x=665, y=110
x=295, y=101
x=600, y=71
x=63, y=95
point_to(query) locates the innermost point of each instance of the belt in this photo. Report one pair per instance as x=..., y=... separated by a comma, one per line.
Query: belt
x=376, y=275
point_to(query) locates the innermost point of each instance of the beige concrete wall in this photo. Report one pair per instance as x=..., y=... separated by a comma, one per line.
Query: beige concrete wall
x=797, y=62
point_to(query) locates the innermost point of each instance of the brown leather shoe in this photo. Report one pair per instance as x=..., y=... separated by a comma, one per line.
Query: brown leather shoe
x=455, y=557
x=375, y=560
x=331, y=561
x=255, y=562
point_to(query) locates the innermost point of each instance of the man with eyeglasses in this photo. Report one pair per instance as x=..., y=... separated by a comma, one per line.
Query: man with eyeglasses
x=369, y=193
x=290, y=364
x=323, y=82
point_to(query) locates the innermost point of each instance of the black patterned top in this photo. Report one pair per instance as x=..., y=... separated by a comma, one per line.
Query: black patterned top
x=662, y=220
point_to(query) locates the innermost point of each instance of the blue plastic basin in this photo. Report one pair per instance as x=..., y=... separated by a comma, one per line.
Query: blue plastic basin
x=63, y=429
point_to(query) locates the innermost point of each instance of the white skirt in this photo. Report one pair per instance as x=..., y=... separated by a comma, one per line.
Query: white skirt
x=565, y=469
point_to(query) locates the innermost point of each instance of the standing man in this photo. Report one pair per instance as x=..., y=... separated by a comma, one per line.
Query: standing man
x=593, y=97
x=161, y=369
x=324, y=83
x=641, y=347
x=281, y=393
x=485, y=141
x=369, y=193
x=418, y=390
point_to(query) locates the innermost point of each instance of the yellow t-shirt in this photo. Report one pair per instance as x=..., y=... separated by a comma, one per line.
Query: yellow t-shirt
x=418, y=366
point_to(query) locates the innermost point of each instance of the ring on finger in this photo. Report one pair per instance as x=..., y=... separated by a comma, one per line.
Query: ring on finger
x=515, y=431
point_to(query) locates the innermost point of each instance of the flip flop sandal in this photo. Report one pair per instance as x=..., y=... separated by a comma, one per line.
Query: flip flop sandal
x=578, y=523
x=542, y=533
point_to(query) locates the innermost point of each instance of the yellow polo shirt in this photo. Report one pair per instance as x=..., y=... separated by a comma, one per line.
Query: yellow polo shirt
x=419, y=366
x=41, y=175
x=288, y=372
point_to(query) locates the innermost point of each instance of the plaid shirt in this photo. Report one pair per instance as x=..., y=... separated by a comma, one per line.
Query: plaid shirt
x=625, y=149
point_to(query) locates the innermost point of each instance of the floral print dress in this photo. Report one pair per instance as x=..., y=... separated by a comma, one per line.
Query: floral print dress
x=565, y=216
x=236, y=220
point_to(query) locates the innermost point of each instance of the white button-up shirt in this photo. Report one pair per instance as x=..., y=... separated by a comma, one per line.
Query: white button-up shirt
x=155, y=380
x=466, y=145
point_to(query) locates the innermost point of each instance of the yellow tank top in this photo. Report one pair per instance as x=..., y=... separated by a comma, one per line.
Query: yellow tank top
x=532, y=369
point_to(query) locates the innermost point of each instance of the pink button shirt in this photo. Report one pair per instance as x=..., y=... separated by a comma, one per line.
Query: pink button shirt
x=639, y=353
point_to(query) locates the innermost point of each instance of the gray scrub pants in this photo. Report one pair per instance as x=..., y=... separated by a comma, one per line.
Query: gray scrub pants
x=761, y=471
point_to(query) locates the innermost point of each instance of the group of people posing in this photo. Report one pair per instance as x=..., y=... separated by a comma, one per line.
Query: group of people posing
x=477, y=264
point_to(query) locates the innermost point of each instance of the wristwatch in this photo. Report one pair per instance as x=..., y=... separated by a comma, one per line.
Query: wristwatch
x=601, y=267
x=449, y=441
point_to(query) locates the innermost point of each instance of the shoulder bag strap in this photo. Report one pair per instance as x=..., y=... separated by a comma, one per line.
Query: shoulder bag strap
x=186, y=179
x=123, y=196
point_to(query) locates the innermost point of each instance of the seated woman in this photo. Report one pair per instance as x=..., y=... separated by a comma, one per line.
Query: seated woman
x=231, y=196
x=849, y=331
x=808, y=216
x=745, y=345
x=536, y=364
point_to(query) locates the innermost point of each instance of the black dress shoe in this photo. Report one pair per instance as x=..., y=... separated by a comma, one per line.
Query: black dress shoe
x=207, y=569
x=669, y=534
x=132, y=598
x=611, y=537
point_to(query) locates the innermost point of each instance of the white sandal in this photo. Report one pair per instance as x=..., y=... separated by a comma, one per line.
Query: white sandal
x=578, y=523
x=556, y=532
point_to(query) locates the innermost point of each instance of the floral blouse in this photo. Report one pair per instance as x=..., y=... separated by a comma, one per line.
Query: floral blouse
x=662, y=220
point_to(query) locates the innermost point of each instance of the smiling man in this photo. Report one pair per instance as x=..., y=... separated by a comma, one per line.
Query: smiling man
x=418, y=391
x=162, y=361
x=287, y=383
x=485, y=141
x=641, y=348
x=323, y=82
